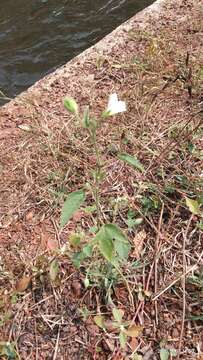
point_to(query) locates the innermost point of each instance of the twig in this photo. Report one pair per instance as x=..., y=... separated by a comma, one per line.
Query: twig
x=137, y=312
x=57, y=232
x=172, y=144
x=169, y=82
x=36, y=342
x=157, y=247
x=41, y=301
x=127, y=286
x=178, y=278
x=15, y=317
x=141, y=304
x=183, y=286
x=57, y=345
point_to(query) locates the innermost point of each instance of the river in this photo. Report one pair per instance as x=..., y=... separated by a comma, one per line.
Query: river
x=37, y=36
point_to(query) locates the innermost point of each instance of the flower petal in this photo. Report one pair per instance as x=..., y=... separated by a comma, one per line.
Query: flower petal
x=115, y=106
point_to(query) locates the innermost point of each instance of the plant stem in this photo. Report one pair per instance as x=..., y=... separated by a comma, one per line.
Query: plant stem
x=97, y=176
x=127, y=286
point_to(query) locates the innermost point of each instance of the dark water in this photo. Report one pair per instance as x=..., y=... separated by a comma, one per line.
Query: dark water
x=37, y=36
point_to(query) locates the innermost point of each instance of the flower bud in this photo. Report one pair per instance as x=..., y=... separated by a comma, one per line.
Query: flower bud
x=71, y=105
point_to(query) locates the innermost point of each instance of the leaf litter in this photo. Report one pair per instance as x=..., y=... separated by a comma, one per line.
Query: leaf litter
x=157, y=70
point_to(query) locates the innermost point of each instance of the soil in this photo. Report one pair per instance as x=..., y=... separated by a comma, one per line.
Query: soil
x=155, y=63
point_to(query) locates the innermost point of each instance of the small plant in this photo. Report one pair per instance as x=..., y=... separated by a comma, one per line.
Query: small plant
x=109, y=239
x=7, y=350
x=92, y=126
x=124, y=328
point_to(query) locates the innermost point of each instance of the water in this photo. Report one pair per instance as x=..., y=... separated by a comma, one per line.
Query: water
x=37, y=36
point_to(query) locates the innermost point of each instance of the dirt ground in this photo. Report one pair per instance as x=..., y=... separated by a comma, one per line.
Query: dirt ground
x=155, y=64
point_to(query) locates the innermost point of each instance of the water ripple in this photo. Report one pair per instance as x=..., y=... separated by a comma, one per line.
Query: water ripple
x=38, y=36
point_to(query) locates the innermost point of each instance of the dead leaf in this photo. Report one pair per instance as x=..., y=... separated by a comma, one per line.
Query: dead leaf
x=25, y=127
x=134, y=331
x=138, y=244
x=133, y=343
x=110, y=343
x=23, y=283
x=77, y=288
x=54, y=270
x=48, y=242
x=99, y=321
x=121, y=293
x=29, y=216
x=118, y=314
x=118, y=356
x=92, y=329
x=8, y=220
x=80, y=214
x=52, y=244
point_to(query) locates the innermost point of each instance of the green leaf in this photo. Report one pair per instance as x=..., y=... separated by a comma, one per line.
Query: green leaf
x=7, y=349
x=136, y=356
x=196, y=317
x=173, y=352
x=75, y=239
x=87, y=250
x=130, y=160
x=121, y=243
x=193, y=206
x=182, y=179
x=110, y=240
x=191, y=147
x=106, y=245
x=118, y=314
x=200, y=225
x=53, y=270
x=100, y=239
x=77, y=258
x=86, y=283
x=90, y=209
x=133, y=222
x=200, y=199
x=164, y=354
x=93, y=229
x=106, y=114
x=122, y=339
x=72, y=203
x=122, y=248
x=100, y=321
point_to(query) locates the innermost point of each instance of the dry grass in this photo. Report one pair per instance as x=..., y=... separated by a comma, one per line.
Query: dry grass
x=162, y=84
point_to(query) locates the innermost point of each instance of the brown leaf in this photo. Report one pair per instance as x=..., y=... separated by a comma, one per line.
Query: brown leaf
x=133, y=331
x=29, y=216
x=52, y=244
x=77, y=288
x=133, y=343
x=25, y=127
x=23, y=283
x=121, y=293
x=138, y=244
x=48, y=242
x=92, y=329
x=78, y=215
x=118, y=356
x=54, y=270
x=99, y=321
x=110, y=344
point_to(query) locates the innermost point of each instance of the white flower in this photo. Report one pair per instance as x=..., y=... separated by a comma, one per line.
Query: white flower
x=114, y=106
